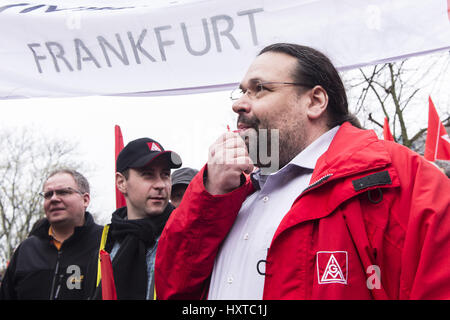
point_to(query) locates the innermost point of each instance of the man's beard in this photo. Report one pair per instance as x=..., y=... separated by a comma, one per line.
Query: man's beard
x=270, y=148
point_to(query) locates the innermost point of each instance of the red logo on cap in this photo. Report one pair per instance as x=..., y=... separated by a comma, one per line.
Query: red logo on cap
x=153, y=146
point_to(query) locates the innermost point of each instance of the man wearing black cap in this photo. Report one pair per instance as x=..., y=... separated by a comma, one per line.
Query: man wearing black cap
x=180, y=180
x=143, y=176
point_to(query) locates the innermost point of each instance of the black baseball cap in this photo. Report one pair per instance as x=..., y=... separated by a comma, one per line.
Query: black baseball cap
x=140, y=152
x=183, y=176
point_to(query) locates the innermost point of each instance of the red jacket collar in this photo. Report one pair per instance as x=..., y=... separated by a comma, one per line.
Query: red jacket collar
x=352, y=150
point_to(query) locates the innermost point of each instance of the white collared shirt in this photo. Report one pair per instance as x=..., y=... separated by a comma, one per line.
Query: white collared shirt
x=240, y=263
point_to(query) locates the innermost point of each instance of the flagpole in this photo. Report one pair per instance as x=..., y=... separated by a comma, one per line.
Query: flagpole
x=120, y=199
x=437, y=141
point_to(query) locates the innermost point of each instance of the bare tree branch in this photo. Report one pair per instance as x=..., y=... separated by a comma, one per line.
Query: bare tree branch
x=418, y=135
x=395, y=91
x=374, y=121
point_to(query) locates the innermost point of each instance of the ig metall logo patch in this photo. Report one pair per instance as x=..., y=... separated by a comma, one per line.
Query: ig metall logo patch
x=332, y=267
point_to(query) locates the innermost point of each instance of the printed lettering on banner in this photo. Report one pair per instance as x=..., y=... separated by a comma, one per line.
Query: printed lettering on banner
x=332, y=267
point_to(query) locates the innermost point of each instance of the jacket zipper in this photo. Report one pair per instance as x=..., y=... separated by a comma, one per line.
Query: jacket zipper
x=53, y=294
x=313, y=185
x=317, y=182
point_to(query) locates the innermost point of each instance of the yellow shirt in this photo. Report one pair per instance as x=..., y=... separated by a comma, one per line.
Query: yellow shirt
x=55, y=242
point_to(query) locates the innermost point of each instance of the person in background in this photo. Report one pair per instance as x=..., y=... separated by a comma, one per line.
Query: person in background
x=56, y=260
x=180, y=181
x=342, y=214
x=143, y=176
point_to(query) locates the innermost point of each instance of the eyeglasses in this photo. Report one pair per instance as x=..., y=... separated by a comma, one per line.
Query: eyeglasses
x=63, y=192
x=256, y=89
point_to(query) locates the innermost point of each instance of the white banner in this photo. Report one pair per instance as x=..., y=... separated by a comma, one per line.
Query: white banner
x=169, y=47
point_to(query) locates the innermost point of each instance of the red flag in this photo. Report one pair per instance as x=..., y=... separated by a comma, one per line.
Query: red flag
x=108, y=286
x=386, y=131
x=120, y=199
x=437, y=145
x=448, y=9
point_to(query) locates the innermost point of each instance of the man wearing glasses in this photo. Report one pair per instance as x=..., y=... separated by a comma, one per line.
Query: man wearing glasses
x=57, y=260
x=343, y=215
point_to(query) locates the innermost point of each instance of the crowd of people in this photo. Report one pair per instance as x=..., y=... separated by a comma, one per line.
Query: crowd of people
x=342, y=215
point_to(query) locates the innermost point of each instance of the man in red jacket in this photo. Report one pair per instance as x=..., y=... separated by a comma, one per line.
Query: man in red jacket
x=335, y=214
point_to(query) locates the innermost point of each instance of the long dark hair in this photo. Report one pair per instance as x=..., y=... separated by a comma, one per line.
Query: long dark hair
x=314, y=68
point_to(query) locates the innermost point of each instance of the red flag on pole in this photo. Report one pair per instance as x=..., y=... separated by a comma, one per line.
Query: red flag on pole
x=448, y=9
x=120, y=199
x=108, y=286
x=437, y=145
x=386, y=131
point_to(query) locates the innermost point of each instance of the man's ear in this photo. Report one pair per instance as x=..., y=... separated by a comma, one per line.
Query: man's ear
x=86, y=200
x=319, y=103
x=121, y=182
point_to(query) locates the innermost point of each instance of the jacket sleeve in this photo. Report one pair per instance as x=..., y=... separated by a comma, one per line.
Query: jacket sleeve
x=7, y=288
x=191, y=238
x=426, y=253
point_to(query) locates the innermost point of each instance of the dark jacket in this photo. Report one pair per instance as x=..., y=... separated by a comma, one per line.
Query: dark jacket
x=39, y=271
x=133, y=262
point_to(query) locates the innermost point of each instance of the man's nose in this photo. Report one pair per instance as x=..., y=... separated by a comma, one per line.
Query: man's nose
x=159, y=183
x=242, y=105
